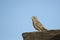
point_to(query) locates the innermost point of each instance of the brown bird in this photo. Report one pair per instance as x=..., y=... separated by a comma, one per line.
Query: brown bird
x=37, y=25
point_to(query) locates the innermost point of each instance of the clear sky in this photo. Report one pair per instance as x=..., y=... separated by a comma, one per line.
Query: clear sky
x=15, y=16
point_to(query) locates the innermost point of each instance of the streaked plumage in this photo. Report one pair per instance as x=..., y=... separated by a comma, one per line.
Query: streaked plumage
x=37, y=25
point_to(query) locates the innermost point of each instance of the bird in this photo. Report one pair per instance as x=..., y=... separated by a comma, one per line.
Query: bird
x=38, y=25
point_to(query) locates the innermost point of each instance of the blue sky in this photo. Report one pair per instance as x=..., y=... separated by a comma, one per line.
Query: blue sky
x=15, y=16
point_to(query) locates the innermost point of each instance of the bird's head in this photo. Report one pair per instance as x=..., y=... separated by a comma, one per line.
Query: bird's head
x=34, y=18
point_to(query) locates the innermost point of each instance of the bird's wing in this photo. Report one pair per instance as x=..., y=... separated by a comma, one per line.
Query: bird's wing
x=40, y=26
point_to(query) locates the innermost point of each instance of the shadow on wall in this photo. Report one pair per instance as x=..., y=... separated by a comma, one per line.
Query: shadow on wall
x=57, y=37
